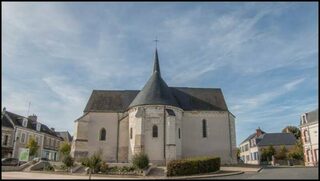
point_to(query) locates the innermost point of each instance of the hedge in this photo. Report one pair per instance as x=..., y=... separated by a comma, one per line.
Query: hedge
x=192, y=166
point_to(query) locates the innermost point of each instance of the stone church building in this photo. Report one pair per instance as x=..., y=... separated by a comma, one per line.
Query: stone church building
x=164, y=122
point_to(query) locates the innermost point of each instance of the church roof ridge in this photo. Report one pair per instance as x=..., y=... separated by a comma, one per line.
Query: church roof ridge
x=113, y=90
x=198, y=88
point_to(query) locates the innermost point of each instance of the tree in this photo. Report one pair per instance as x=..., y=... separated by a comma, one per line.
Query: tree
x=238, y=153
x=266, y=153
x=297, y=152
x=68, y=161
x=65, y=149
x=294, y=130
x=93, y=162
x=282, y=154
x=33, y=146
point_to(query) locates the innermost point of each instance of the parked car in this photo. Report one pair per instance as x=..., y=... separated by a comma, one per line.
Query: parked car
x=9, y=162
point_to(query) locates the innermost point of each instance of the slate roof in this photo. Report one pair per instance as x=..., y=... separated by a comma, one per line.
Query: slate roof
x=64, y=134
x=189, y=99
x=277, y=139
x=17, y=120
x=312, y=116
x=157, y=92
x=252, y=136
x=5, y=122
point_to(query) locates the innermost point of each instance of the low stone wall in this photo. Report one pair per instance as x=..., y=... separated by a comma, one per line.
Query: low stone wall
x=288, y=162
x=119, y=164
x=40, y=165
x=15, y=168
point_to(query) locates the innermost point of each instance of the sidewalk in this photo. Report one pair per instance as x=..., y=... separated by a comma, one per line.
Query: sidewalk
x=53, y=175
x=241, y=169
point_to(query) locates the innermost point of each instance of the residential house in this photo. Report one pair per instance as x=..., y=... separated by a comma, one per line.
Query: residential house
x=7, y=130
x=17, y=130
x=251, y=147
x=309, y=126
x=65, y=135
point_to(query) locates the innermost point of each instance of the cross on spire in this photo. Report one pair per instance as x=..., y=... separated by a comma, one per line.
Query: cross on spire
x=156, y=40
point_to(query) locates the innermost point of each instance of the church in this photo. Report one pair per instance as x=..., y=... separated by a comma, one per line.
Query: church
x=164, y=122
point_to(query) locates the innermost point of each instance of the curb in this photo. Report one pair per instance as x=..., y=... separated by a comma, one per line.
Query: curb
x=205, y=176
x=152, y=178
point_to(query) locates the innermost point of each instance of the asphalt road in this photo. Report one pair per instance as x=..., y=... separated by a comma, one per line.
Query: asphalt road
x=277, y=173
x=267, y=173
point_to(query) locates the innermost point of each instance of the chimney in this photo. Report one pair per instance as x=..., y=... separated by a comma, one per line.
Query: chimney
x=33, y=118
x=258, y=132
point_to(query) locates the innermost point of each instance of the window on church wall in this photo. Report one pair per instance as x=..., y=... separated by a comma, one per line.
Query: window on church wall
x=130, y=133
x=204, y=128
x=154, y=131
x=102, y=134
x=179, y=134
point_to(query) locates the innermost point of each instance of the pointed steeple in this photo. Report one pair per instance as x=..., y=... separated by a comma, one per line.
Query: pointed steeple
x=156, y=66
x=155, y=91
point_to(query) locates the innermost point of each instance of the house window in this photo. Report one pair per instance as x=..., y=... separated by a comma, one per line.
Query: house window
x=24, y=122
x=102, y=134
x=306, y=136
x=5, y=140
x=154, y=131
x=37, y=139
x=23, y=137
x=308, y=155
x=130, y=133
x=179, y=134
x=204, y=128
x=38, y=126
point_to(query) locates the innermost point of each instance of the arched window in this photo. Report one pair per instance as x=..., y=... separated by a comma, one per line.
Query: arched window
x=102, y=134
x=130, y=133
x=179, y=134
x=155, y=131
x=204, y=128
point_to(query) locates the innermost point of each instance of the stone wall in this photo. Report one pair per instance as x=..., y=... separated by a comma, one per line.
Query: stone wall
x=217, y=143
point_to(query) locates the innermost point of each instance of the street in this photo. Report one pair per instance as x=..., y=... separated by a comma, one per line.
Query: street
x=267, y=173
x=277, y=173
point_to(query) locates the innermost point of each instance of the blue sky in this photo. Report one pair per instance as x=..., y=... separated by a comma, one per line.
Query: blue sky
x=264, y=56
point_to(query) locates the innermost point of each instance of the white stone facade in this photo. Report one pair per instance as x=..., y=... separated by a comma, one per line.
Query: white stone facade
x=310, y=140
x=178, y=136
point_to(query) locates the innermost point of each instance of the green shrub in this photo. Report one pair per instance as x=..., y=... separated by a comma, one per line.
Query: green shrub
x=48, y=168
x=104, y=167
x=68, y=161
x=92, y=162
x=191, y=166
x=113, y=169
x=140, y=160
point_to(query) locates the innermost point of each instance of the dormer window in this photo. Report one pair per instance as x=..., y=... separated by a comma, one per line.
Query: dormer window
x=38, y=126
x=24, y=122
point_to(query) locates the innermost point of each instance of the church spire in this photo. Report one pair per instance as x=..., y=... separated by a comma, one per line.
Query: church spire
x=156, y=67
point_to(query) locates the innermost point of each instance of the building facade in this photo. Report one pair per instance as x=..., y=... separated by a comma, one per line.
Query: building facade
x=251, y=147
x=164, y=122
x=18, y=130
x=309, y=127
